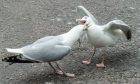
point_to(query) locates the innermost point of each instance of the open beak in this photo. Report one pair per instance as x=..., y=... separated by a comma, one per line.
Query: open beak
x=82, y=22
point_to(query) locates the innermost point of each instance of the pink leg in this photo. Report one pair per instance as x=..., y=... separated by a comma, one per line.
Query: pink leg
x=56, y=70
x=101, y=65
x=88, y=61
x=66, y=74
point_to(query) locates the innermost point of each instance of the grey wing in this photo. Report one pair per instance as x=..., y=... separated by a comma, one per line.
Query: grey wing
x=44, y=39
x=82, y=11
x=52, y=50
x=118, y=24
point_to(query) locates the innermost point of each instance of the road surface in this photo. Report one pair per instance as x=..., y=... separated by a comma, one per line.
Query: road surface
x=24, y=21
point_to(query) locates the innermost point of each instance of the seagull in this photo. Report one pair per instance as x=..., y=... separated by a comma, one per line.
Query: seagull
x=81, y=12
x=48, y=49
x=104, y=35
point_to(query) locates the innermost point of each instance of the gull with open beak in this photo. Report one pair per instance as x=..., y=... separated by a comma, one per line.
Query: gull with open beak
x=81, y=12
x=104, y=35
x=48, y=49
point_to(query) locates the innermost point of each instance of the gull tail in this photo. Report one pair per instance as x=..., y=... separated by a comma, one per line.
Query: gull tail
x=18, y=51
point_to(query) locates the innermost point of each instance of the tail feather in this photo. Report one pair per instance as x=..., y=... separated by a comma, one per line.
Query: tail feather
x=19, y=51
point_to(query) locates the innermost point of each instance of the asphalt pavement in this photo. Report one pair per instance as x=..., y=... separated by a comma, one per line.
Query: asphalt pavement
x=24, y=21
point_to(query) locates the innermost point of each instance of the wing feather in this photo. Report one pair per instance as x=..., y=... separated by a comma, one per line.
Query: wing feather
x=82, y=11
x=118, y=24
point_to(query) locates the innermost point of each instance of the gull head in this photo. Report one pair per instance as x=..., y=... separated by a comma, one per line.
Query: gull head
x=86, y=21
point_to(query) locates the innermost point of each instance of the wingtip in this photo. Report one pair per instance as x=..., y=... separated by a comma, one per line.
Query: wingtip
x=80, y=7
x=129, y=35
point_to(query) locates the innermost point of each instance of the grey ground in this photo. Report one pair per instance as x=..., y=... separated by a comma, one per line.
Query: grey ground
x=24, y=21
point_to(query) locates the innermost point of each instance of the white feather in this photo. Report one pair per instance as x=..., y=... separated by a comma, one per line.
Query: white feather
x=19, y=51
